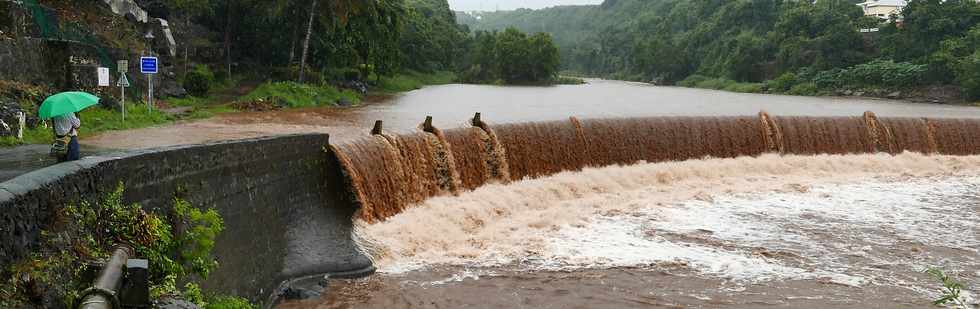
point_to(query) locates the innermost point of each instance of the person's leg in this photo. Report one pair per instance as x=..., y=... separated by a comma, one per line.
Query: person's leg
x=74, y=151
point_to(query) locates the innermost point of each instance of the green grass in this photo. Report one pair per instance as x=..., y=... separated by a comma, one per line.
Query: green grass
x=96, y=120
x=569, y=80
x=301, y=95
x=700, y=81
x=411, y=80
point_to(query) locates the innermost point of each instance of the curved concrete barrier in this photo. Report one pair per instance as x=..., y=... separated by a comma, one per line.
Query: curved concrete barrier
x=286, y=208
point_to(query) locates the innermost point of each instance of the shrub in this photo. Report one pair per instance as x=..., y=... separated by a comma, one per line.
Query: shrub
x=715, y=83
x=829, y=79
x=968, y=76
x=692, y=81
x=90, y=230
x=352, y=74
x=745, y=87
x=804, y=89
x=198, y=81
x=782, y=83
x=300, y=95
x=884, y=74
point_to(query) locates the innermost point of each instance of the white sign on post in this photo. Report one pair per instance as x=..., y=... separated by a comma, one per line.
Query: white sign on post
x=104, y=77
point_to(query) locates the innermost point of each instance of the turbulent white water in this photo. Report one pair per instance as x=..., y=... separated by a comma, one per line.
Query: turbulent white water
x=851, y=220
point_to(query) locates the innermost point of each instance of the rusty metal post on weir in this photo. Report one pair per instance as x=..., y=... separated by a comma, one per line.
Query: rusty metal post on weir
x=427, y=125
x=377, y=130
x=477, y=122
x=104, y=293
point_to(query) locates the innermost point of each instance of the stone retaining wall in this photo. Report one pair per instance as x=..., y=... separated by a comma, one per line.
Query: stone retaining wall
x=283, y=201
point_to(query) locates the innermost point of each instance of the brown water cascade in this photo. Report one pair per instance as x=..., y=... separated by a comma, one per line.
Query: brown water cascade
x=627, y=141
x=908, y=134
x=824, y=135
x=374, y=169
x=541, y=148
x=469, y=151
x=391, y=172
x=955, y=136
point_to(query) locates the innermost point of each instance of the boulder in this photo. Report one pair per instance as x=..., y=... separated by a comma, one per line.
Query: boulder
x=9, y=119
x=170, y=302
x=164, y=37
x=895, y=95
x=129, y=9
x=171, y=88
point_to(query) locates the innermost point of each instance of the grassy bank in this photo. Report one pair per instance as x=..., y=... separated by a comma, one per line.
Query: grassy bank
x=411, y=80
x=699, y=81
x=285, y=94
x=293, y=94
x=96, y=120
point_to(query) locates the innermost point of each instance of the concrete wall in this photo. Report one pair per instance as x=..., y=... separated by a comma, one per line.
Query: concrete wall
x=286, y=210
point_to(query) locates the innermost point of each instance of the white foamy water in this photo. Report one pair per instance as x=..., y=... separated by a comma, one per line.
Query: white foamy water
x=851, y=220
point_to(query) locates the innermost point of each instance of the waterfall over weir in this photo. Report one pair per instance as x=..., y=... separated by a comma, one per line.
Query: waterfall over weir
x=388, y=172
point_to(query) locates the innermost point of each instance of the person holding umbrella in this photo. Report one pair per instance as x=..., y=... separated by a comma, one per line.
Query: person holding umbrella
x=61, y=109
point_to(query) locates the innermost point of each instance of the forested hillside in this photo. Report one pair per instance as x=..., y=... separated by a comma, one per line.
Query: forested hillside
x=803, y=47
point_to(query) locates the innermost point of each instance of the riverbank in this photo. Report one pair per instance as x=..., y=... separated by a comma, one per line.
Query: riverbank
x=938, y=94
x=237, y=96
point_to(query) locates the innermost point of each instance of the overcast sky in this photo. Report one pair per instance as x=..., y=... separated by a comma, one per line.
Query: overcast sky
x=490, y=5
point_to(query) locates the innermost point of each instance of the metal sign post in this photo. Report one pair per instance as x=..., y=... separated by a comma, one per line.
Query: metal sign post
x=148, y=66
x=123, y=82
x=123, y=67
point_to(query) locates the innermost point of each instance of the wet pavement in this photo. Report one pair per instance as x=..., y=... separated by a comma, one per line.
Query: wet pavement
x=15, y=161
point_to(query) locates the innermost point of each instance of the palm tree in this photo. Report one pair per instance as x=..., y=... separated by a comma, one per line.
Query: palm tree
x=339, y=10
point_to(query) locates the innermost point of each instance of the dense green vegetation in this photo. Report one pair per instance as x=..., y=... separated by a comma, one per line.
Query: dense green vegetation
x=812, y=46
x=177, y=245
x=321, y=39
x=511, y=57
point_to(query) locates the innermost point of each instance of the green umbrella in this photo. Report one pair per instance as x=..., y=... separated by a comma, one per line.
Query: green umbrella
x=66, y=102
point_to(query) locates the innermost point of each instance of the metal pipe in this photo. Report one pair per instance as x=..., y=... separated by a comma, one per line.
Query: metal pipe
x=103, y=294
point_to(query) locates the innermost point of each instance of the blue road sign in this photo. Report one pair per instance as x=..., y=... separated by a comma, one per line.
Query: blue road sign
x=148, y=65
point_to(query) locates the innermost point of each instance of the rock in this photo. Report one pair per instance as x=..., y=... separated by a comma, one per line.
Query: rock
x=344, y=102
x=303, y=288
x=110, y=103
x=9, y=121
x=848, y=92
x=127, y=8
x=859, y=93
x=355, y=85
x=155, y=8
x=161, y=29
x=170, y=302
x=170, y=88
x=895, y=95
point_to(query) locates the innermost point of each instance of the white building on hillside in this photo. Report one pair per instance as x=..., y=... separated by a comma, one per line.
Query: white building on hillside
x=883, y=9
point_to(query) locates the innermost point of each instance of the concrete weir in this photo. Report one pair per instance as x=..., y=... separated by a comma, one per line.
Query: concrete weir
x=284, y=214
x=289, y=202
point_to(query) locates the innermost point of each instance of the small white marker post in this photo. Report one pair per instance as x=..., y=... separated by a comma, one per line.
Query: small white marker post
x=122, y=66
x=21, y=122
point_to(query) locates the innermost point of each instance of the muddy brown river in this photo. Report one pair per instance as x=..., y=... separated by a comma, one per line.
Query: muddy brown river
x=853, y=231
x=452, y=105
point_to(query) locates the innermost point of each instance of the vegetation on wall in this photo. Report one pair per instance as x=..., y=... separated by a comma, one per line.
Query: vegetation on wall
x=177, y=245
